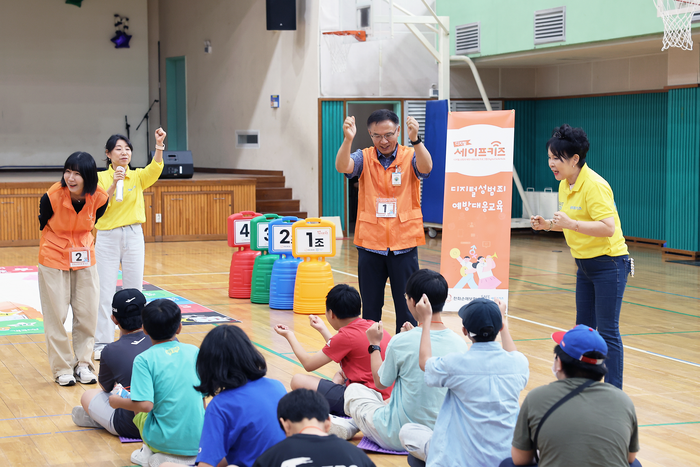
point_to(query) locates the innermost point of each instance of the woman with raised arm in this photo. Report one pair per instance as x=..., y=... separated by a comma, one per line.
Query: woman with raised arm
x=119, y=232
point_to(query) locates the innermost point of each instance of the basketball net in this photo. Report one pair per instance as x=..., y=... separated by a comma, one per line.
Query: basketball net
x=677, y=16
x=338, y=43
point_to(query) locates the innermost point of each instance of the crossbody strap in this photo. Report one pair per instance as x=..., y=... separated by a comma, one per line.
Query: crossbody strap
x=561, y=401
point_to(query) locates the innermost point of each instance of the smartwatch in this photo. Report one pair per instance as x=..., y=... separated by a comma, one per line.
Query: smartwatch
x=372, y=348
x=418, y=141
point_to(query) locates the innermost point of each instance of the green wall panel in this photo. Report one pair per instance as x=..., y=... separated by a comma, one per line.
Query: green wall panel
x=628, y=148
x=333, y=189
x=683, y=168
x=508, y=27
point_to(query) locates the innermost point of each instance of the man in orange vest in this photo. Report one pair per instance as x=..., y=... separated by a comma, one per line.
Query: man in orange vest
x=389, y=219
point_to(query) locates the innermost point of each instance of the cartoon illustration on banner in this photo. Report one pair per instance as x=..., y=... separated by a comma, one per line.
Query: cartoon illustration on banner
x=475, y=253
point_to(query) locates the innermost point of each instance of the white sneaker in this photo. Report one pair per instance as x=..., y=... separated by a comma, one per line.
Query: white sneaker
x=66, y=380
x=160, y=458
x=141, y=456
x=343, y=428
x=82, y=418
x=84, y=375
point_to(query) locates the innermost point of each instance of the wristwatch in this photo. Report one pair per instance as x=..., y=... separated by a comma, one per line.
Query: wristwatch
x=372, y=348
x=418, y=141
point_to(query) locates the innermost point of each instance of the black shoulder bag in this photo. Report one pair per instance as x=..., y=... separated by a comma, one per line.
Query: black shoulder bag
x=561, y=401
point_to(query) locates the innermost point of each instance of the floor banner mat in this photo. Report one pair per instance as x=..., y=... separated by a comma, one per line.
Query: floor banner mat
x=20, y=306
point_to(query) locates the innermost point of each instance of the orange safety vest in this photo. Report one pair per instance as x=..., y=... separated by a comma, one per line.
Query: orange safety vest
x=67, y=229
x=395, y=233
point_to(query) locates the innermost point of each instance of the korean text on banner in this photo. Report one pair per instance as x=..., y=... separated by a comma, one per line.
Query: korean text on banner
x=475, y=255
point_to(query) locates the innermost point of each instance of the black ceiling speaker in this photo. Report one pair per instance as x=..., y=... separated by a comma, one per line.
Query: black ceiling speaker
x=281, y=15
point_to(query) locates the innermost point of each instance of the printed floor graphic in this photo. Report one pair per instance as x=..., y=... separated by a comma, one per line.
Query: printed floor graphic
x=20, y=307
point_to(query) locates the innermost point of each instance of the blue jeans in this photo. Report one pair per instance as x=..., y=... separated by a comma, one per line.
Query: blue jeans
x=600, y=285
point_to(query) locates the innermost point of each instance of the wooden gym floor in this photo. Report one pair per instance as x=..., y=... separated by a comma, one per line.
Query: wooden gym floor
x=660, y=324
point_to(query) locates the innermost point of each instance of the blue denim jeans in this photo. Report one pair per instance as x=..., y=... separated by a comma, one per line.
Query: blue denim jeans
x=600, y=285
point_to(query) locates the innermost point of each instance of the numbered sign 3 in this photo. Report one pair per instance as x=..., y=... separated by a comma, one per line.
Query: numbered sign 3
x=313, y=238
x=280, y=231
x=259, y=226
x=239, y=228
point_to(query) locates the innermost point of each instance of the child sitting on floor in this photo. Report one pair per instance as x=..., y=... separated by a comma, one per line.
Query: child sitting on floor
x=348, y=348
x=170, y=412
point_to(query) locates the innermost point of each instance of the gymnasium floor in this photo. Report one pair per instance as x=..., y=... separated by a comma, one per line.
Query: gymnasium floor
x=660, y=324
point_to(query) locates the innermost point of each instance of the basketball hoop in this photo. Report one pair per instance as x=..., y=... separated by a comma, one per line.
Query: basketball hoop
x=677, y=16
x=339, y=43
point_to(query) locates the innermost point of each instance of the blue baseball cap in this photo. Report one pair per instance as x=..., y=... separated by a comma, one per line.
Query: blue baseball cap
x=580, y=340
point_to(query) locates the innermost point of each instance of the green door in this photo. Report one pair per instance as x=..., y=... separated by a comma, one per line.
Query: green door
x=176, y=89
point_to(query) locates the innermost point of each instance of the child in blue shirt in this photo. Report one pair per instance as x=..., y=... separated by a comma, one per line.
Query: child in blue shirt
x=241, y=420
x=169, y=410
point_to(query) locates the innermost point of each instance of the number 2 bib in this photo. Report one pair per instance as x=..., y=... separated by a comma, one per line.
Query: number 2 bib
x=79, y=257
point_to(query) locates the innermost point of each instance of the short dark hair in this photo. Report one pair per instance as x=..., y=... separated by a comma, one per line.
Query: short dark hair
x=344, y=301
x=382, y=115
x=112, y=142
x=84, y=164
x=303, y=403
x=227, y=360
x=432, y=284
x=567, y=141
x=573, y=368
x=161, y=319
x=131, y=323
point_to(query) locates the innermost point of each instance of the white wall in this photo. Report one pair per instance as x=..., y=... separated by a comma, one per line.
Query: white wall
x=382, y=66
x=230, y=89
x=63, y=85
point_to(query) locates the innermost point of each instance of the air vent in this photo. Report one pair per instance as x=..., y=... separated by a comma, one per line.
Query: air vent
x=415, y=109
x=468, y=39
x=550, y=25
x=247, y=139
x=470, y=106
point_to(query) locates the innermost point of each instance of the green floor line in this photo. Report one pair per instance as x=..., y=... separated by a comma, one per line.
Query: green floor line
x=656, y=333
x=624, y=301
x=284, y=357
x=668, y=424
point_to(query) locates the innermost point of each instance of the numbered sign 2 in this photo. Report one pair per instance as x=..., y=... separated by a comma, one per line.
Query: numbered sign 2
x=239, y=228
x=281, y=235
x=259, y=238
x=313, y=237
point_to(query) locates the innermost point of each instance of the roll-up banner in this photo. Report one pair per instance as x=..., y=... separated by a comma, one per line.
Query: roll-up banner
x=475, y=254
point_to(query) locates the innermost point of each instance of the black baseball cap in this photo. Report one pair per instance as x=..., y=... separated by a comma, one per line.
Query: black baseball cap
x=482, y=318
x=127, y=303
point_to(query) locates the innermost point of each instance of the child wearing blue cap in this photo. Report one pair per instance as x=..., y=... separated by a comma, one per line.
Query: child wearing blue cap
x=577, y=419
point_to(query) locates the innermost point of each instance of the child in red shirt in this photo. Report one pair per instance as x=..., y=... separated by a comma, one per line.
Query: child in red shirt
x=347, y=348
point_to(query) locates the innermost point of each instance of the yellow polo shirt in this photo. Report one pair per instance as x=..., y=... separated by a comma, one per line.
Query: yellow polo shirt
x=131, y=210
x=591, y=199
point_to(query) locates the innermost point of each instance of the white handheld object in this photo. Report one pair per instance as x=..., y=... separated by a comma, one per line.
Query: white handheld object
x=120, y=187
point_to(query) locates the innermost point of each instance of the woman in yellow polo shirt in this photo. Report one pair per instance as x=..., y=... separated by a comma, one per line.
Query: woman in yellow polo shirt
x=119, y=233
x=588, y=217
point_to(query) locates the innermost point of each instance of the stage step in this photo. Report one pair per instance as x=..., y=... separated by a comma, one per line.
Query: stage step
x=274, y=205
x=274, y=181
x=299, y=214
x=273, y=193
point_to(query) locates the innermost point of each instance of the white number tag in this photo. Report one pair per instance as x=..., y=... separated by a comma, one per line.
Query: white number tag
x=386, y=207
x=313, y=240
x=79, y=257
x=263, y=241
x=282, y=237
x=241, y=229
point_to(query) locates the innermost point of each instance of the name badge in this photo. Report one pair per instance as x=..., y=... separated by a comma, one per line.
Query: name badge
x=396, y=179
x=79, y=257
x=386, y=207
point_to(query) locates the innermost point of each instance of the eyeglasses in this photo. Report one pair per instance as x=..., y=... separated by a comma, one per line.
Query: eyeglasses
x=387, y=136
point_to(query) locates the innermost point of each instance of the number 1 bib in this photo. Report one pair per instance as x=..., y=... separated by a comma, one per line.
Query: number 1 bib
x=386, y=207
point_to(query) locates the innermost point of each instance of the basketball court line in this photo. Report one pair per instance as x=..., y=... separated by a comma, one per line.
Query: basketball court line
x=697, y=365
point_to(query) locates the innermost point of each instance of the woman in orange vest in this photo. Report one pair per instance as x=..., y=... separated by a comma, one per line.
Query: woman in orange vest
x=67, y=271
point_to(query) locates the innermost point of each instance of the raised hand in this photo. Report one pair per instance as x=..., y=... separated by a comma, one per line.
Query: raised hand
x=160, y=136
x=424, y=311
x=283, y=330
x=349, y=128
x=375, y=333
x=413, y=127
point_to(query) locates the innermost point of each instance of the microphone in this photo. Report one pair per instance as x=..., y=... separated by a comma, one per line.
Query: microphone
x=120, y=187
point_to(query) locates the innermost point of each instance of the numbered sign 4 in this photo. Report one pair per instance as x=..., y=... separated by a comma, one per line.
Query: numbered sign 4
x=259, y=227
x=313, y=238
x=280, y=232
x=239, y=228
